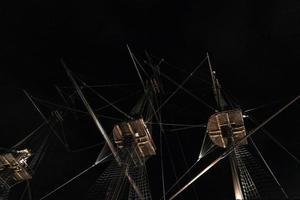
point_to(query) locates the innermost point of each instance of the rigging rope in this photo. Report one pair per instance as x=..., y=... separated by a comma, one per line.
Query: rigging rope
x=268, y=167
x=276, y=141
x=249, y=189
x=263, y=106
x=135, y=65
x=141, y=66
x=180, y=129
x=29, y=135
x=174, y=124
x=102, y=86
x=182, y=176
x=118, y=100
x=107, y=101
x=187, y=91
x=181, y=69
x=186, y=165
x=202, y=146
x=46, y=120
x=162, y=161
x=75, y=177
x=180, y=86
x=73, y=109
x=29, y=190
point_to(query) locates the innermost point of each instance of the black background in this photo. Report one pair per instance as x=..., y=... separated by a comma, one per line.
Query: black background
x=253, y=45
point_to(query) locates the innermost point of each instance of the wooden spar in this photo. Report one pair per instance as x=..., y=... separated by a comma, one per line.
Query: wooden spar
x=91, y=112
x=46, y=120
x=136, y=68
x=232, y=158
x=214, y=82
x=99, y=126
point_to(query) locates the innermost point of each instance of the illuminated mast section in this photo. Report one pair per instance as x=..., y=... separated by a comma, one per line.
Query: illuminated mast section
x=13, y=170
x=135, y=134
x=224, y=128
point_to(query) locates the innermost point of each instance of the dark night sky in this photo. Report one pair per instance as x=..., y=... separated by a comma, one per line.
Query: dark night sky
x=253, y=45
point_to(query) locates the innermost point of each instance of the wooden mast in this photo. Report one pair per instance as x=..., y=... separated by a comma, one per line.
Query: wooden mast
x=232, y=157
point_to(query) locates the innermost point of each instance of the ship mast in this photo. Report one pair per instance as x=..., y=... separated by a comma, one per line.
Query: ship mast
x=221, y=104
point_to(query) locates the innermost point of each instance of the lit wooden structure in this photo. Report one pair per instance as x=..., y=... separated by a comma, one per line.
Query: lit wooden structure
x=13, y=167
x=134, y=134
x=226, y=125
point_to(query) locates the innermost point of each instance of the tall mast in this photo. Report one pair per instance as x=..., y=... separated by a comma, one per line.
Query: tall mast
x=102, y=130
x=232, y=157
x=93, y=115
x=215, y=82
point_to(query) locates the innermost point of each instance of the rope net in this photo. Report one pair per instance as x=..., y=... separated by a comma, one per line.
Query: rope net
x=113, y=184
x=256, y=180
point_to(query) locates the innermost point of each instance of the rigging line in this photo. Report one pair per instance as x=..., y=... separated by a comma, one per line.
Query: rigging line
x=168, y=149
x=215, y=85
x=170, y=157
x=234, y=146
x=110, y=103
x=181, y=69
x=268, y=167
x=186, y=91
x=145, y=174
x=202, y=146
x=102, y=86
x=186, y=165
x=86, y=148
x=23, y=193
x=72, y=95
x=162, y=166
x=263, y=105
x=92, y=114
x=46, y=120
x=64, y=136
x=118, y=100
x=60, y=92
x=34, y=167
x=41, y=157
x=141, y=66
x=95, y=119
x=209, y=150
x=132, y=182
x=163, y=136
x=30, y=135
x=182, y=176
x=29, y=190
x=136, y=68
x=174, y=124
x=73, y=109
x=102, y=97
x=79, y=149
x=75, y=177
x=233, y=100
x=107, y=101
x=181, y=129
x=161, y=130
x=6, y=149
x=276, y=141
x=61, y=95
x=181, y=84
x=39, y=153
x=158, y=116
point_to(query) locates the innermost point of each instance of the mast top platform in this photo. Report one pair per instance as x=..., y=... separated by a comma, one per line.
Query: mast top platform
x=221, y=122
